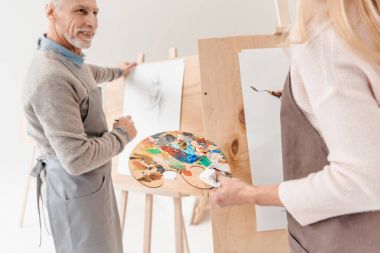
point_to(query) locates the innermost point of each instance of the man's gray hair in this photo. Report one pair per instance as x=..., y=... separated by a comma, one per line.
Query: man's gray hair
x=53, y=2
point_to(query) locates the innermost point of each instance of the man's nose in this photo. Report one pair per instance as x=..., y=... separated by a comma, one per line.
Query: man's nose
x=92, y=21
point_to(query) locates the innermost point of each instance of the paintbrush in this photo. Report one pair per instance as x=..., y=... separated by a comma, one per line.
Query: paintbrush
x=276, y=94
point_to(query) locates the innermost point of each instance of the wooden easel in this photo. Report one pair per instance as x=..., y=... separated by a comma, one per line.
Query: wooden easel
x=29, y=142
x=234, y=229
x=191, y=121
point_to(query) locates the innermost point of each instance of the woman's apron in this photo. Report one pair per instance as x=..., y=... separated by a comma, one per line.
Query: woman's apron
x=82, y=209
x=305, y=152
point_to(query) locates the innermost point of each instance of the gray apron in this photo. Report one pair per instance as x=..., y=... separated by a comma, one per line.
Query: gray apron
x=82, y=209
x=305, y=152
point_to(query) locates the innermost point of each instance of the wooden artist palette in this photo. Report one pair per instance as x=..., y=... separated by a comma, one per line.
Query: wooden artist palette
x=184, y=153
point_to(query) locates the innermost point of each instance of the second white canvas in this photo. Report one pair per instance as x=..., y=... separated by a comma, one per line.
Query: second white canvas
x=264, y=69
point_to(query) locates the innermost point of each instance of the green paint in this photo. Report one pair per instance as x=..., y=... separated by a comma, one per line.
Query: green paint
x=154, y=151
x=177, y=165
x=205, y=161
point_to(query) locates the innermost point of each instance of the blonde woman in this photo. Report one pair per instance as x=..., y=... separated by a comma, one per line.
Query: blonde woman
x=330, y=119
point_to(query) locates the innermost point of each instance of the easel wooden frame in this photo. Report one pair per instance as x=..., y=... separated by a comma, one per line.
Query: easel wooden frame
x=234, y=229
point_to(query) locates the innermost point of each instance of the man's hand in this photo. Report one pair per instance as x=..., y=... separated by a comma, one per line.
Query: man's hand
x=127, y=125
x=127, y=67
x=232, y=191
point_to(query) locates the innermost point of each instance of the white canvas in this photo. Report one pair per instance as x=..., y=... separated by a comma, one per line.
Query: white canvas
x=153, y=95
x=264, y=69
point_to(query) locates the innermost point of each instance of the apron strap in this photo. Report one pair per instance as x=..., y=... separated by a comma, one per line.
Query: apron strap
x=36, y=172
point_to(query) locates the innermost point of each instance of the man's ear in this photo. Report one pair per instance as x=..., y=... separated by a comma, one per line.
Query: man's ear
x=50, y=11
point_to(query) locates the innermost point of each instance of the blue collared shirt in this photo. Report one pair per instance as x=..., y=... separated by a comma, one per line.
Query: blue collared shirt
x=45, y=43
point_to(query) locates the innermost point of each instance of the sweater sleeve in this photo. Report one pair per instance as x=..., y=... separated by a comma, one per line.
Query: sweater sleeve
x=349, y=120
x=56, y=106
x=102, y=75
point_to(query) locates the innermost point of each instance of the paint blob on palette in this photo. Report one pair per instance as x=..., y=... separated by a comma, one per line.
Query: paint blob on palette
x=184, y=153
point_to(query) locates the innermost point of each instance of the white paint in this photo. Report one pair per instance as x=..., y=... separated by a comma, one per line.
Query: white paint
x=264, y=69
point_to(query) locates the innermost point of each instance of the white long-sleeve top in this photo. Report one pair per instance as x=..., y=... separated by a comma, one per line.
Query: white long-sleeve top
x=340, y=95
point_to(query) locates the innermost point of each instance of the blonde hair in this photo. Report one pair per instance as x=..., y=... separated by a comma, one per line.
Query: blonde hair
x=345, y=15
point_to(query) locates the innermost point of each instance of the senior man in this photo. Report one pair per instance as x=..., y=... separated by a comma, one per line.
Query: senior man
x=63, y=106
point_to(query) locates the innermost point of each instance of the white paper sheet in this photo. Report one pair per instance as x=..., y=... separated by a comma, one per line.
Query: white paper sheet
x=264, y=69
x=153, y=95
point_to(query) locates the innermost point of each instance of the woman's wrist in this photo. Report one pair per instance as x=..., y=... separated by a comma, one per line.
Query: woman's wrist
x=252, y=194
x=266, y=195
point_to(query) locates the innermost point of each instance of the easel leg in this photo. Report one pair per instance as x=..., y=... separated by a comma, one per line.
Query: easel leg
x=26, y=191
x=123, y=208
x=187, y=250
x=178, y=225
x=148, y=222
x=199, y=208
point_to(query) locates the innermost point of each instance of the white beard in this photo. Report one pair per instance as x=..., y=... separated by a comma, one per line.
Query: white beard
x=76, y=42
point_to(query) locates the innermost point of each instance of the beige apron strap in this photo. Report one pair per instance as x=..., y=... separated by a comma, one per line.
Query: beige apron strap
x=36, y=172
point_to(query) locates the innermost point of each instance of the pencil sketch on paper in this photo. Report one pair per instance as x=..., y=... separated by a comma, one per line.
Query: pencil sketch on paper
x=153, y=94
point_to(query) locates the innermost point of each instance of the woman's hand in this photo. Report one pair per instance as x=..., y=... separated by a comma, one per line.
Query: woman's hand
x=233, y=191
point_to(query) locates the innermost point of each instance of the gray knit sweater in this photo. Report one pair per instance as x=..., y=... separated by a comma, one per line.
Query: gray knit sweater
x=56, y=104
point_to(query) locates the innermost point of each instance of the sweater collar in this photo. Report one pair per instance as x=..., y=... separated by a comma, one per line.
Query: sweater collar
x=46, y=43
